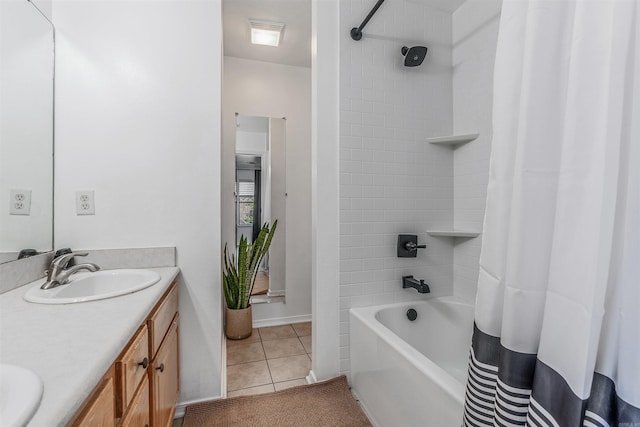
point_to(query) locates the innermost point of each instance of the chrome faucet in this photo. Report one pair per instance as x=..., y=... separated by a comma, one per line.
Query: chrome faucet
x=420, y=286
x=59, y=272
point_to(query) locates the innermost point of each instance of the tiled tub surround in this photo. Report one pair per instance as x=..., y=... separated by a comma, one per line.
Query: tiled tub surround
x=391, y=180
x=475, y=38
x=271, y=359
x=71, y=346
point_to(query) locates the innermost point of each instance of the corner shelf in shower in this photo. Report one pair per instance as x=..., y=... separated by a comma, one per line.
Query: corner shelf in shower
x=454, y=233
x=453, y=141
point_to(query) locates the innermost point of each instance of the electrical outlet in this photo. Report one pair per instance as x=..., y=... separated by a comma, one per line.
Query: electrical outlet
x=85, y=203
x=20, y=202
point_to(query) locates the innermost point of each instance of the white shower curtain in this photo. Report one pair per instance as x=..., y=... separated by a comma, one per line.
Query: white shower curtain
x=557, y=329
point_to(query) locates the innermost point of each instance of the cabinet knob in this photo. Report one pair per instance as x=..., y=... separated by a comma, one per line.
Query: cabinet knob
x=144, y=363
x=160, y=368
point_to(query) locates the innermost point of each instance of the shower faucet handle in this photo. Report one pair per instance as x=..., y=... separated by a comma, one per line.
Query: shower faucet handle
x=410, y=246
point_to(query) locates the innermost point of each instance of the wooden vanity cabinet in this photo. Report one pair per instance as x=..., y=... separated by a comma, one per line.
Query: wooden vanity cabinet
x=141, y=387
x=165, y=379
x=131, y=368
x=100, y=410
x=164, y=370
x=139, y=414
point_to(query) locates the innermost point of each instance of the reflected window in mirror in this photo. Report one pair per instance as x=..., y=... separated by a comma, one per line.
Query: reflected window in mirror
x=246, y=199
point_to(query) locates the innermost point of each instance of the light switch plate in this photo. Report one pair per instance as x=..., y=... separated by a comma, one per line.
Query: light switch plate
x=85, y=203
x=20, y=202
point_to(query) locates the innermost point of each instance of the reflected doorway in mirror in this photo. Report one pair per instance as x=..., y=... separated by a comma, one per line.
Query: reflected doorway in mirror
x=260, y=196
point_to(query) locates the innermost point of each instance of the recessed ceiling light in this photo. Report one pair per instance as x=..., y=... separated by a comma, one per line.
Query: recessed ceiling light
x=266, y=32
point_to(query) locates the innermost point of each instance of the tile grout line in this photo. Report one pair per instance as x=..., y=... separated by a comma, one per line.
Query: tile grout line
x=273, y=383
x=267, y=361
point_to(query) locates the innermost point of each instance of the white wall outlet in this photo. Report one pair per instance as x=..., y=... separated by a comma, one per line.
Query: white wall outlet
x=85, y=203
x=20, y=202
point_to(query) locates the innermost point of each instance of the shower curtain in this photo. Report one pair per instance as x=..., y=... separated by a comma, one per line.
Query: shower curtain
x=557, y=327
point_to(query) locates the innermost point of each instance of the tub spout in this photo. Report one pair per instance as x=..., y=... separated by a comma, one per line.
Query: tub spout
x=419, y=285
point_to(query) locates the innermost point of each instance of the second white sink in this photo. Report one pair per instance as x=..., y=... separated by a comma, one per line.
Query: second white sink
x=20, y=393
x=88, y=286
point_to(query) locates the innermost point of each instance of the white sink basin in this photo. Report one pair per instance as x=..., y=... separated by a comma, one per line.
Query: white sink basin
x=87, y=286
x=20, y=393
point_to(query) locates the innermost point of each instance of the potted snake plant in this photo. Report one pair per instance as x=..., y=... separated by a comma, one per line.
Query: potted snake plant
x=238, y=278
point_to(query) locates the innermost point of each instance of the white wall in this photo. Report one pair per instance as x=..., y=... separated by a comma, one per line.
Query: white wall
x=254, y=88
x=325, y=233
x=44, y=6
x=475, y=37
x=251, y=142
x=391, y=180
x=138, y=121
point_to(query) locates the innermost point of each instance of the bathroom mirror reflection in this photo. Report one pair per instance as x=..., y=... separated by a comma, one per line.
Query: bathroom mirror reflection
x=26, y=129
x=261, y=196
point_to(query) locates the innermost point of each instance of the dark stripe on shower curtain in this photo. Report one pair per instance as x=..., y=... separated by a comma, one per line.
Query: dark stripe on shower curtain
x=604, y=404
x=516, y=369
x=485, y=347
x=508, y=388
x=552, y=393
x=603, y=400
x=499, y=383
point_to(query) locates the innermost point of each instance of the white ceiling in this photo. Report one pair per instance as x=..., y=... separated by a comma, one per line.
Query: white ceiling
x=295, y=45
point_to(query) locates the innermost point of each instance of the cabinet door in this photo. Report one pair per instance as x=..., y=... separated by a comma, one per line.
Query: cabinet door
x=131, y=368
x=100, y=412
x=139, y=414
x=161, y=318
x=165, y=378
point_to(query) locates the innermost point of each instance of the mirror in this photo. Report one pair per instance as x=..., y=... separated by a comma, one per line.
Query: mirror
x=26, y=129
x=261, y=195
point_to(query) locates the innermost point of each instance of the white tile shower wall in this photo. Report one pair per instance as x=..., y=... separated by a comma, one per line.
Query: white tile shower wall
x=475, y=33
x=391, y=180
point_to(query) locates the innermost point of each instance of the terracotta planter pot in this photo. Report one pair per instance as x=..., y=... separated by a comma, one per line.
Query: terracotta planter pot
x=238, y=323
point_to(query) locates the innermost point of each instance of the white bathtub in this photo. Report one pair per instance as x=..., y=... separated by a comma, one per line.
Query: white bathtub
x=411, y=373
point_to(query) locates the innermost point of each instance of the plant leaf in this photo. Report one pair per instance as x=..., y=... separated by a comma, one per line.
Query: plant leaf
x=239, y=275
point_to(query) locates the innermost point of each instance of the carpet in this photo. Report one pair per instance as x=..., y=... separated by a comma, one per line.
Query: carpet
x=323, y=404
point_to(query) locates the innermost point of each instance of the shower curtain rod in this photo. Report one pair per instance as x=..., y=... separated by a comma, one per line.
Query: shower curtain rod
x=356, y=32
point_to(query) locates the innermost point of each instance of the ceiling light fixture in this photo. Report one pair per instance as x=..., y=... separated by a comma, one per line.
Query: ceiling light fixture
x=266, y=32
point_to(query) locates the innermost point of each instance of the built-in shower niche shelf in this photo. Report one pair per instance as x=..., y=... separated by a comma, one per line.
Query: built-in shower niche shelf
x=467, y=234
x=453, y=141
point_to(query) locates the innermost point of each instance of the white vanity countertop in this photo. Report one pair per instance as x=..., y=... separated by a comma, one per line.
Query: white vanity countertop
x=71, y=346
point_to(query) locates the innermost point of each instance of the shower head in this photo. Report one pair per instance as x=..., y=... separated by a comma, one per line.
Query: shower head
x=413, y=56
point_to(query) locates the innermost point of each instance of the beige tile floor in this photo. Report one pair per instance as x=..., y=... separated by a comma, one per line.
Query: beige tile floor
x=271, y=359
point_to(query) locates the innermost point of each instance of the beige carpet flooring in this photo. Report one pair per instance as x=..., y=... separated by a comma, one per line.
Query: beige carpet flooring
x=325, y=404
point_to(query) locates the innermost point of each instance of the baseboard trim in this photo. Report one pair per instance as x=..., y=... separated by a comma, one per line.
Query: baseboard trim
x=366, y=410
x=311, y=378
x=276, y=321
x=182, y=406
x=223, y=379
x=279, y=293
